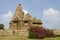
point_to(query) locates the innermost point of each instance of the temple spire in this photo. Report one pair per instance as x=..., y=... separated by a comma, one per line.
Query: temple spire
x=19, y=8
x=19, y=12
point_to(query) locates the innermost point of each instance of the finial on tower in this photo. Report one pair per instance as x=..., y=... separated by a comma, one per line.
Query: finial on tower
x=19, y=4
x=19, y=8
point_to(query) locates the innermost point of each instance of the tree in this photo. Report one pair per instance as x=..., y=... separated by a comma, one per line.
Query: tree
x=1, y=26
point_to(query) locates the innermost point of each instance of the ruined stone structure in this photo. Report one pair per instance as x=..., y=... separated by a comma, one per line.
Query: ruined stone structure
x=21, y=21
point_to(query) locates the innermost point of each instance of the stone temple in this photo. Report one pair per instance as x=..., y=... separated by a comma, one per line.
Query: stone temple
x=21, y=21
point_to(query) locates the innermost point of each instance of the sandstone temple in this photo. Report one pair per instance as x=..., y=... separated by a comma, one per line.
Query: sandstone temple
x=20, y=21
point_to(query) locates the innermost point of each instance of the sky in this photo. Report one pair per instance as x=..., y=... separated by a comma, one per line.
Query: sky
x=46, y=10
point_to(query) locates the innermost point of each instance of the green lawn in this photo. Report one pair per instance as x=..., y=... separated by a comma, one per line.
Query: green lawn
x=24, y=38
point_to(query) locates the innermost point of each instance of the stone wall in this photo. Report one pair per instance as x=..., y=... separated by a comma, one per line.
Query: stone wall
x=22, y=32
x=6, y=32
x=14, y=32
x=1, y=32
x=56, y=32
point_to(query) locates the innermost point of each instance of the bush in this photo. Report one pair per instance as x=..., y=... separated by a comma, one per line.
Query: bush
x=33, y=35
x=49, y=33
x=36, y=32
x=39, y=32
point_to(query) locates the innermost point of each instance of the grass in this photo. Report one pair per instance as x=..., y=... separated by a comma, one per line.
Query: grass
x=15, y=37
x=56, y=38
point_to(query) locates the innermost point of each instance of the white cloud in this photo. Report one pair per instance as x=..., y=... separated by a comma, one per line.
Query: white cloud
x=7, y=15
x=51, y=18
x=25, y=11
x=6, y=19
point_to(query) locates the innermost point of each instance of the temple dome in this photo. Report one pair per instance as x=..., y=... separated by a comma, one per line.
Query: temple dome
x=27, y=17
x=34, y=19
x=39, y=21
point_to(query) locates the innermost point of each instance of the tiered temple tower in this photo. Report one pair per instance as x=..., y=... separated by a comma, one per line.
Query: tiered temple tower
x=20, y=20
x=17, y=20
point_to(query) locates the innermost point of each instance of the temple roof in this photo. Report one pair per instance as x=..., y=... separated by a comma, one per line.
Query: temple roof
x=27, y=17
x=34, y=19
x=39, y=21
x=19, y=15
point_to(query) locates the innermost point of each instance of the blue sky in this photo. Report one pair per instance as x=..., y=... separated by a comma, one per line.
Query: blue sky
x=46, y=10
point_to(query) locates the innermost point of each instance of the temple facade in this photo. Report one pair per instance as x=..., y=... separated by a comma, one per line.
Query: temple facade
x=22, y=21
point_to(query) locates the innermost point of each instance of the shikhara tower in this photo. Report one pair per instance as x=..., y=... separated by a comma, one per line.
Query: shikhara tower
x=22, y=21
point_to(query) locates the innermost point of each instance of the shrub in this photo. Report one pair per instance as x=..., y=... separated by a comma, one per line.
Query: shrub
x=36, y=32
x=39, y=32
x=33, y=35
x=49, y=33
